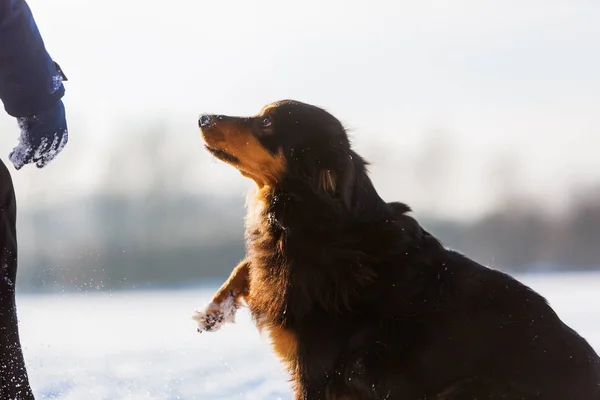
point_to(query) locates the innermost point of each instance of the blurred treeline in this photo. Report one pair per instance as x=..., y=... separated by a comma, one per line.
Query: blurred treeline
x=158, y=234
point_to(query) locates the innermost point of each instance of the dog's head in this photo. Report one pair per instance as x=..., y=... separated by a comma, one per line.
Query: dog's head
x=287, y=140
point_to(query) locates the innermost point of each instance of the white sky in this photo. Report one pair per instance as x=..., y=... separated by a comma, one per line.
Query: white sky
x=492, y=77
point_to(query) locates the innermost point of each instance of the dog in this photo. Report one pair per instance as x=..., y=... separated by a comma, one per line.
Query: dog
x=361, y=302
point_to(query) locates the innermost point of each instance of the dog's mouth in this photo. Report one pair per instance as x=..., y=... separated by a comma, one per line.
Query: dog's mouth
x=222, y=155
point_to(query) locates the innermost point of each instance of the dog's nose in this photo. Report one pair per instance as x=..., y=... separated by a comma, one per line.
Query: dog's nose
x=204, y=120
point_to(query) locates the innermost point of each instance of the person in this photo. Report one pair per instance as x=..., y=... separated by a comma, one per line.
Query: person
x=31, y=89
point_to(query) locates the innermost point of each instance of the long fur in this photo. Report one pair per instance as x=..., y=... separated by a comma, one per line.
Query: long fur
x=363, y=303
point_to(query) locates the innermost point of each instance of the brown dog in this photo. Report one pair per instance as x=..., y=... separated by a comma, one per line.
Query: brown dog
x=359, y=300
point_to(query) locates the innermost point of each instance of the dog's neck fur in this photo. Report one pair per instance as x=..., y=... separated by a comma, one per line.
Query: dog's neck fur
x=286, y=227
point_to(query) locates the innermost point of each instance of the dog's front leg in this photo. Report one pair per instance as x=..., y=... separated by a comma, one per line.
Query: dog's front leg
x=226, y=301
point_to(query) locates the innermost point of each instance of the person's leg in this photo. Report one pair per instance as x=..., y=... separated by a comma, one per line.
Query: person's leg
x=13, y=375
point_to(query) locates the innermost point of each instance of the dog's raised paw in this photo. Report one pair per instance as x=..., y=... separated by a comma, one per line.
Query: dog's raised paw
x=210, y=319
x=215, y=315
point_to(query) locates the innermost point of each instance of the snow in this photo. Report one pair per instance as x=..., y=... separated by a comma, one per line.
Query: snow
x=20, y=153
x=6, y=277
x=56, y=83
x=215, y=315
x=50, y=144
x=47, y=154
x=144, y=345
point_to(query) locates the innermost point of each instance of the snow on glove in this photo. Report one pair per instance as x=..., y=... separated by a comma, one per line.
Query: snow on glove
x=43, y=136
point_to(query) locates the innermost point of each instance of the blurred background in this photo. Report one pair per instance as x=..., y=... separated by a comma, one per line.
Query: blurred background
x=483, y=116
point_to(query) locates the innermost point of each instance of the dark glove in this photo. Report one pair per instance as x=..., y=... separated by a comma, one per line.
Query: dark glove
x=43, y=136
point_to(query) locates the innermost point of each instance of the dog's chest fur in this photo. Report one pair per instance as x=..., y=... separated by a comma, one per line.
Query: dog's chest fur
x=269, y=278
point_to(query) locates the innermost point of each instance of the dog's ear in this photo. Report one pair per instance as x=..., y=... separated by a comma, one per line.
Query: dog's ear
x=348, y=182
x=339, y=184
x=327, y=182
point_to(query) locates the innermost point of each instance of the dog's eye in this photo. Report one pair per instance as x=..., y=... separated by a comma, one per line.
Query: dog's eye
x=265, y=122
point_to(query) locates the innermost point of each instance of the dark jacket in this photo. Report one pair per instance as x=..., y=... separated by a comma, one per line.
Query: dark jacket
x=29, y=79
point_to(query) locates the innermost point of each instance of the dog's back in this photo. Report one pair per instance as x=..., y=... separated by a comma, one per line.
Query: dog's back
x=448, y=327
x=505, y=337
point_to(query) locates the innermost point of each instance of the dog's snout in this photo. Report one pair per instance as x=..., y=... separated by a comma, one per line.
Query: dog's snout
x=204, y=120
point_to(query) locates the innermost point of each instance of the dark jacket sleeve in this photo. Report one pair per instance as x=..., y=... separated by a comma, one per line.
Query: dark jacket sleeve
x=29, y=79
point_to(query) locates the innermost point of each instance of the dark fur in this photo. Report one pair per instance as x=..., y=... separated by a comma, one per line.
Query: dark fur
x=379, y=309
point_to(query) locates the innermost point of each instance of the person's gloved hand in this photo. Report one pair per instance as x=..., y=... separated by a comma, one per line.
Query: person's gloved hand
x=43, y=136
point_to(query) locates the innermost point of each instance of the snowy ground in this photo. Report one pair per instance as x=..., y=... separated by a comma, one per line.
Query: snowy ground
x=143, y=345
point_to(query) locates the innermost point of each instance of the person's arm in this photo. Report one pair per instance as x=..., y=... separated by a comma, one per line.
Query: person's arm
x=30, y=81
x=31, y=87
